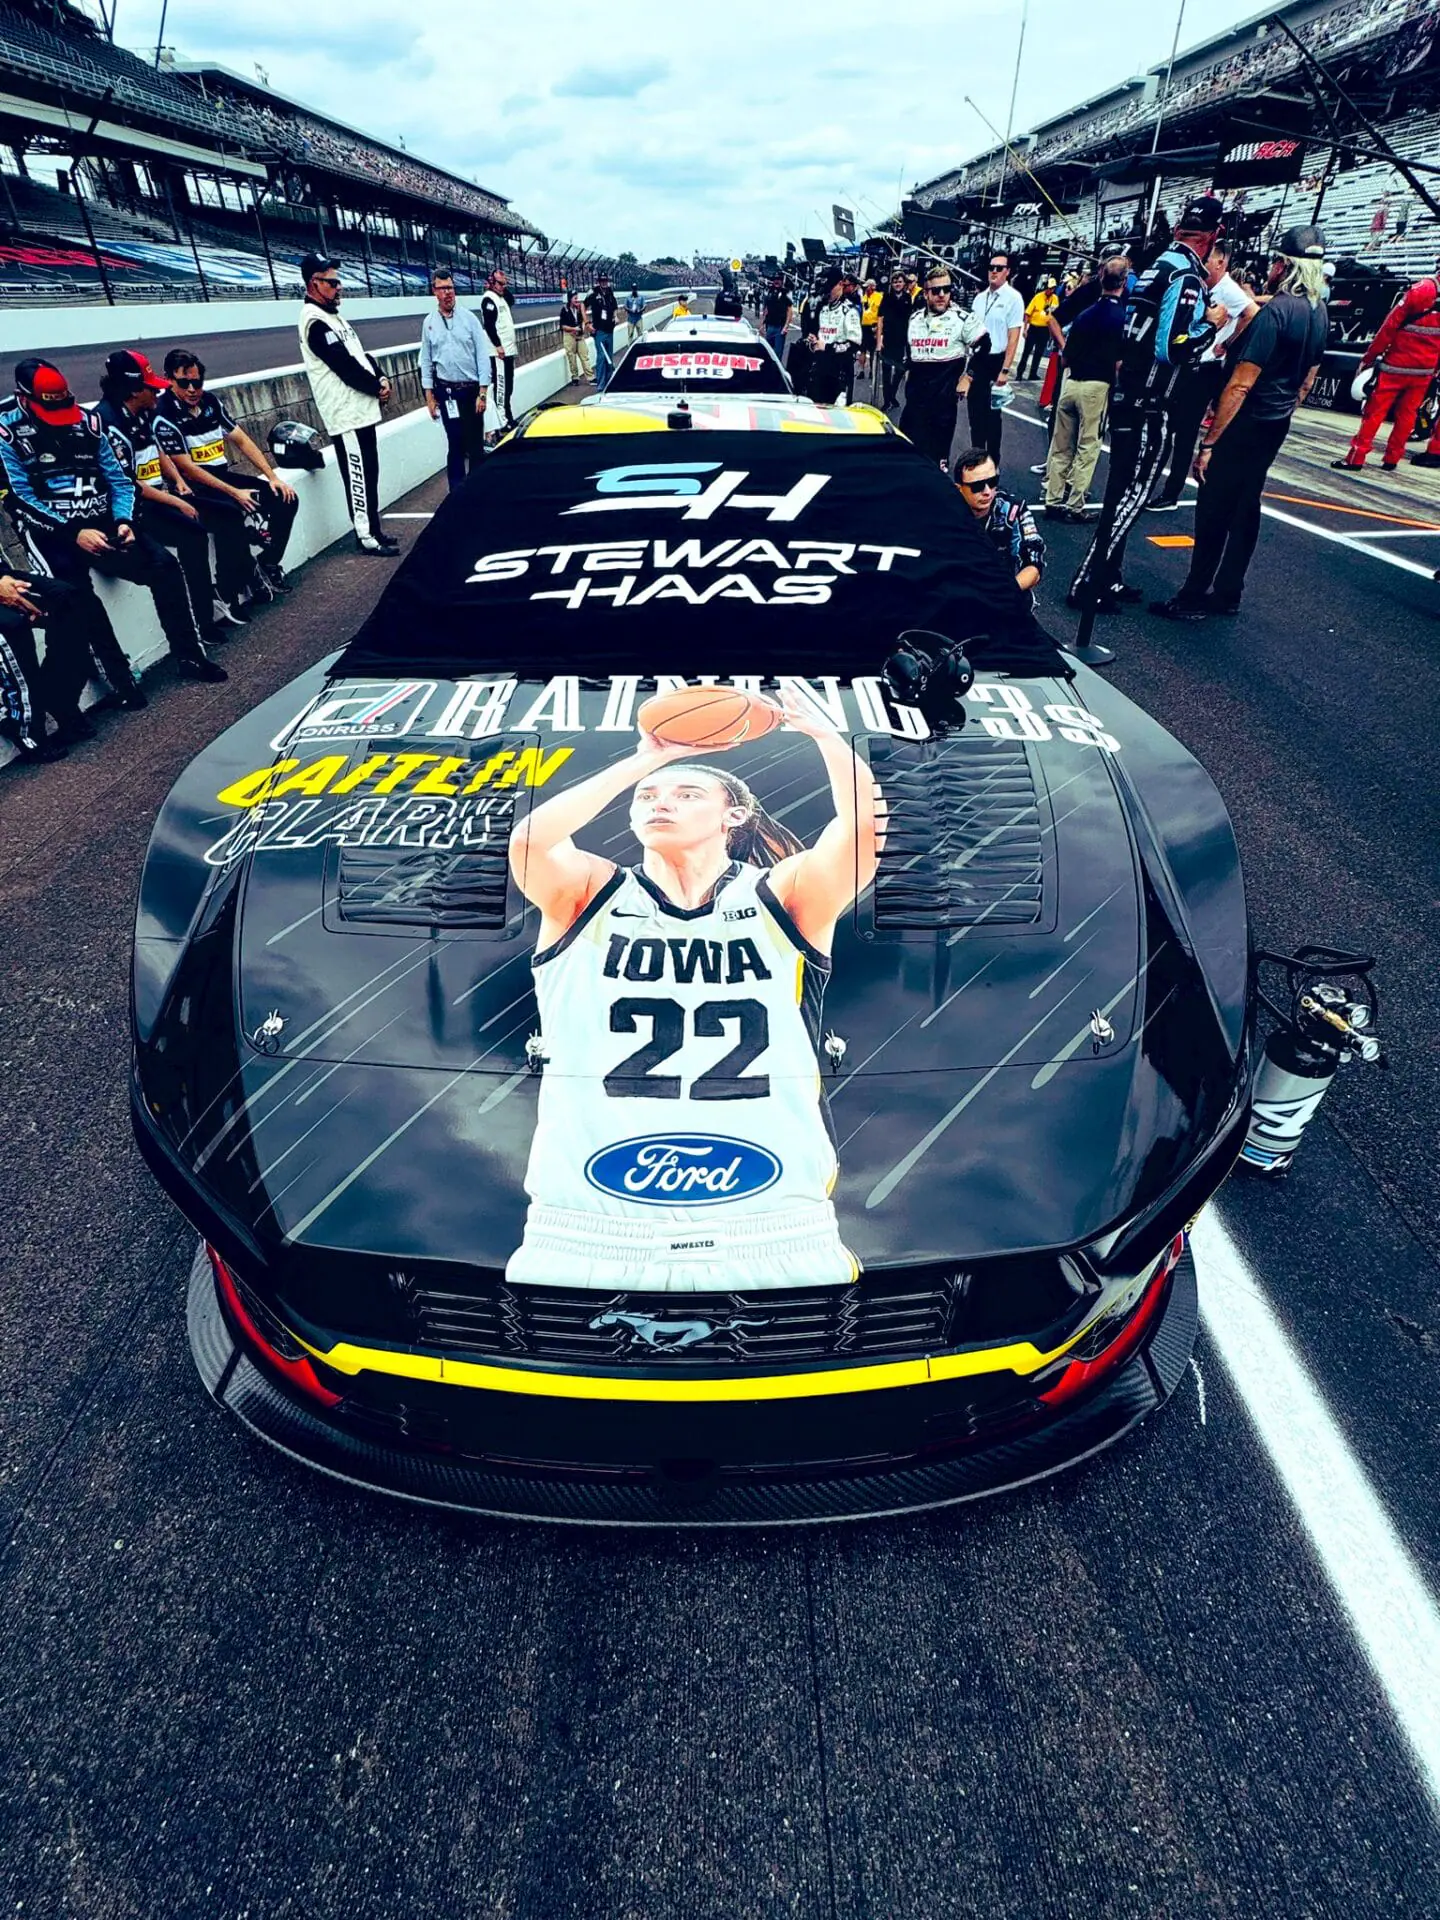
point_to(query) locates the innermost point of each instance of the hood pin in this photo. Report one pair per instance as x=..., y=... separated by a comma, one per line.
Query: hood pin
x=1102, y=1030
x=267, y=1035
x=535, y=1053
x=835, y=1050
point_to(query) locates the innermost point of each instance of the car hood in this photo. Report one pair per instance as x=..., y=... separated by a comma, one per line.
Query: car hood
x=1032, y=1022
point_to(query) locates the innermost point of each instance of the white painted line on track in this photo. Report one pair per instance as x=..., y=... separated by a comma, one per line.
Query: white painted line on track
x=1391, y=1609
x=407, y=516
x=1354, y=542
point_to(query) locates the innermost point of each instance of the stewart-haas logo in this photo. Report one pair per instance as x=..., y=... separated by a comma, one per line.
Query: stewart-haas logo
x=677, y=485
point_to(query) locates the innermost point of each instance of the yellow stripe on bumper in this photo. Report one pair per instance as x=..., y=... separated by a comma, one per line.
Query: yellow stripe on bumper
x=1020, y=1358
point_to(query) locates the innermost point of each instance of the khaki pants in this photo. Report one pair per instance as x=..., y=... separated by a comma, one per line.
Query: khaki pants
x=576, y=365
x=1075, y=447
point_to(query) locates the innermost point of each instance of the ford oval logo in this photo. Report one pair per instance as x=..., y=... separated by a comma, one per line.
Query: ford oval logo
x=682, y=1169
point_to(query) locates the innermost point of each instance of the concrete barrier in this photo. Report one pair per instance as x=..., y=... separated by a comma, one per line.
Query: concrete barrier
x=412, y=450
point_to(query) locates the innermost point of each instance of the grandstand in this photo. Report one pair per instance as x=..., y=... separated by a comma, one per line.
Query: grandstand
x=1095, y=160
x=123, y=179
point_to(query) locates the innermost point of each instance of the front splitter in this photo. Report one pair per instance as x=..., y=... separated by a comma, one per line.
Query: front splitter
x=664, y=1499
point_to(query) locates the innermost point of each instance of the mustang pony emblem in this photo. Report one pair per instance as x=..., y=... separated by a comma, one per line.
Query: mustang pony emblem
x=666, y=1335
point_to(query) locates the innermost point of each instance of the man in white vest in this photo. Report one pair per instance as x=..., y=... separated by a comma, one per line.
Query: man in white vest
x=497, y=316
x=349, y=390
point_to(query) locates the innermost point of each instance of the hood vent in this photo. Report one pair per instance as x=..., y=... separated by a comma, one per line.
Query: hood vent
x=963, y=845
x=453, y=891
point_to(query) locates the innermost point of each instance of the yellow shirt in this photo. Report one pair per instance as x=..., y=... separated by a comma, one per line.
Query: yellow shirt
x=680, y=311
x=1041, y=306
x=870, y=312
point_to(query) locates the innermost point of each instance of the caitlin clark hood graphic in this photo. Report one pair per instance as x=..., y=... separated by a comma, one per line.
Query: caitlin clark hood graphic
x=682, y=1137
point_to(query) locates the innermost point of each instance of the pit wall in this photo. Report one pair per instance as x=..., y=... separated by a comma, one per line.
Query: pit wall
x=412, y=450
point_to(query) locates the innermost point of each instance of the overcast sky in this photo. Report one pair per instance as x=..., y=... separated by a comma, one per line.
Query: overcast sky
x=667, y=128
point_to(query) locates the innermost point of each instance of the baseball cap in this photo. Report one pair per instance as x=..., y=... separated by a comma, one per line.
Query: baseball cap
x=1203, y=214
x=1302, y=243
x=314, y=263
x=129, y=372
x=48, y=392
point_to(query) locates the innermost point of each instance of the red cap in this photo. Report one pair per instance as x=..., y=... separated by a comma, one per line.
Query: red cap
x=131, y=370
x=47, y=392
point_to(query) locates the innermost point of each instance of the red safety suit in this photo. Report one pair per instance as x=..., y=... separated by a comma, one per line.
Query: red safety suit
x=1407, y=348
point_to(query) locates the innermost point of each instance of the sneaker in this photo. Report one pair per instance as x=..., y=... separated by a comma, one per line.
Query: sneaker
x=376, y=550
x=1040, y=466
x=274, y=575
x=1077, y=604
x=127, y=697
x=1426, y=459
x=74, y=728
x=1179, y=608
x=1348, y=465
x=1087, y=508
x=230, y=613
x=1162, y=505
x=201, y=669
x=1124, y=596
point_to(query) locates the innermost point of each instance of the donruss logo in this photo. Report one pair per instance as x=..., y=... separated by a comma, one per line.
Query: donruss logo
x=682, y=1170
x=363, y=710
x=678, y=485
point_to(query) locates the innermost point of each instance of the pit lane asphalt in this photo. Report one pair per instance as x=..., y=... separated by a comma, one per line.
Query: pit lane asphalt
x=235, y=1688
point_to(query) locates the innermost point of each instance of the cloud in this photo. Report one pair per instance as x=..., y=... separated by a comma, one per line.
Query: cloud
x=610, y=83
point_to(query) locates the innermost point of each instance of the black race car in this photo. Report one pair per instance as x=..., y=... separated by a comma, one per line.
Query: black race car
x=641, y=1042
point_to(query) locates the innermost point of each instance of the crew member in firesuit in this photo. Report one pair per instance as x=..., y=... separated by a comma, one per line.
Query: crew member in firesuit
x=30, y=687
x=1407, y=352
x=75, y=508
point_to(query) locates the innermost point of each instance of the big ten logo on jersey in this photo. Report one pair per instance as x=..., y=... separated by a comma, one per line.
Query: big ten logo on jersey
x=680, y=486
x=1018, y=719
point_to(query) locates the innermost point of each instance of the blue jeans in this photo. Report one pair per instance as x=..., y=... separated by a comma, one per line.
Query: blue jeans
x=776, y=337
x=604, y=359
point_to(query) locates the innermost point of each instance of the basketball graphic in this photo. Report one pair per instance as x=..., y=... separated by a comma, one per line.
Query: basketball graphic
x=707, y=717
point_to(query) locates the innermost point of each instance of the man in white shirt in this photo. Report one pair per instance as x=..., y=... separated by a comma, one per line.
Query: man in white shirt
x=455, y=376
x=1001, y=312
x=1198, y=388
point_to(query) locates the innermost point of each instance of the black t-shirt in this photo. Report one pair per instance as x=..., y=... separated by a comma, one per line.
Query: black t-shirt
x=895, y=312
x=603, y=306
x=1285, y=339
x=777, y=305
x=572, y=318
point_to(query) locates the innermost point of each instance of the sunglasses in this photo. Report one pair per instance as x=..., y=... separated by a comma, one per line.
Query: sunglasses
x=982, y=486
x=328, y=280
x=998, y=266
x=187, y=383
x=944, y=291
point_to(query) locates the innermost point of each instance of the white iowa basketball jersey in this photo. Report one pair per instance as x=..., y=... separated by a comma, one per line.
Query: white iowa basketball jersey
x=681, y=1139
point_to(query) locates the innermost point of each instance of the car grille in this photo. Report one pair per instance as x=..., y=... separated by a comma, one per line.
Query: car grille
x=963, y=843
x=774, y=1328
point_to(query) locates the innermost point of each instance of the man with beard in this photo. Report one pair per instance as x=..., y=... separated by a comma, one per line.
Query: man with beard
x=939, y=343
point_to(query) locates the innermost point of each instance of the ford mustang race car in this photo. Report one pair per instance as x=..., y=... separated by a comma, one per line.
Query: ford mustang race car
x=701, y=1013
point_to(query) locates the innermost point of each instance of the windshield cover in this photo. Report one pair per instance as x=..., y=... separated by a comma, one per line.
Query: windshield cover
x=652, y=551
